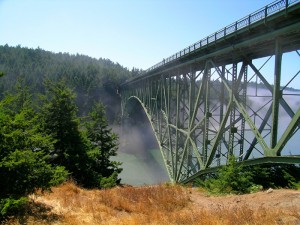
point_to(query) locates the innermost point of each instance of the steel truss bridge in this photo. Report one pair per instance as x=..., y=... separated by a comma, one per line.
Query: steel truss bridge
x=216, y=97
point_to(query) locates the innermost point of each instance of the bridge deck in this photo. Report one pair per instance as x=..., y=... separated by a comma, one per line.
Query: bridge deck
x=254, y=41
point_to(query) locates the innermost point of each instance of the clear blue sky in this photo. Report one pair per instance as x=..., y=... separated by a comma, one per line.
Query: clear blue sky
x=134, y=33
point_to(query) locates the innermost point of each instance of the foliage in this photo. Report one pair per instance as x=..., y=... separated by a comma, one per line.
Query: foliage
x=105, y=145
x=10, y=206
x=24, y=163
x=276, y=176
x=23, y=171
x=91, y=79
x=62, y=124
x=84, y=153
x=230, y=179
x=109, y=182
x=239, y=179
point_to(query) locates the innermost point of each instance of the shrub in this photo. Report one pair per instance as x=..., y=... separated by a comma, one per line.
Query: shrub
x=109, y=182
x=231, y=178
x=10, y=206
x=275, y=175
x=238, y=179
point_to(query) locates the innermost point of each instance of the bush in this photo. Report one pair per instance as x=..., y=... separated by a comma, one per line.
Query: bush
x=109, y=182
x=237, y=179
x=10, y=206
x=231, y=178
x=276, y=175
x=22, y=172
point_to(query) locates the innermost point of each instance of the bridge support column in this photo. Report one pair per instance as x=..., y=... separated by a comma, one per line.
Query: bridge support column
x=276, y=94
x=233, y=129
x=207, y=113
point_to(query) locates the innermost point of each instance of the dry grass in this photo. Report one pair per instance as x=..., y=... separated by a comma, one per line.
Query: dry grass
x=162, y=204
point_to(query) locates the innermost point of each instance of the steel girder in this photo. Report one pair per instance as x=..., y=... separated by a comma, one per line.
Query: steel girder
x=212, y=100
x=201, y=117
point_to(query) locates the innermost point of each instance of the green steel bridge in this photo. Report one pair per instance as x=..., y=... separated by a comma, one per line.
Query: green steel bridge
x=215, y=98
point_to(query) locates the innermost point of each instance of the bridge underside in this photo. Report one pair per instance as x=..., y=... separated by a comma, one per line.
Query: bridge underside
x=209, y=105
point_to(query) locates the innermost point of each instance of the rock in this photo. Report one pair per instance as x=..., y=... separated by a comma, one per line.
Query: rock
x=270, y=190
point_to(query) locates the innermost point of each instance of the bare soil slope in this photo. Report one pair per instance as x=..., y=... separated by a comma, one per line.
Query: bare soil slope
x=282, y=204
x=163, y=204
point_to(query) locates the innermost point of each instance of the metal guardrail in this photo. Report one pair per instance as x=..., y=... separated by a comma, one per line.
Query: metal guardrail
x=252, y=18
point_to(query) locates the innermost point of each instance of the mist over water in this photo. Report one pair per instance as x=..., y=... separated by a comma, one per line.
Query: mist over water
x=140, y=143
x=139, y=151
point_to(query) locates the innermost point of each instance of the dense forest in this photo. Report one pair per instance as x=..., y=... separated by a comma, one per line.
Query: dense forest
x=54, y=126
x=92, y=80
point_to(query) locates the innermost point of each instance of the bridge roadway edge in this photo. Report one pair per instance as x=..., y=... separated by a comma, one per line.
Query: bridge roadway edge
x=206, y=53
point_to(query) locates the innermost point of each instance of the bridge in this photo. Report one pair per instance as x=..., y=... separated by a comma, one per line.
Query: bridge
x=215, y=98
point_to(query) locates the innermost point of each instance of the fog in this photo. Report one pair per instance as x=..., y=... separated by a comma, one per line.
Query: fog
x=140, y=154
x=292, y=99
x=139, y=151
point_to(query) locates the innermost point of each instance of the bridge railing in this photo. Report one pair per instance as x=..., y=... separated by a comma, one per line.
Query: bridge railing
x=252, y=18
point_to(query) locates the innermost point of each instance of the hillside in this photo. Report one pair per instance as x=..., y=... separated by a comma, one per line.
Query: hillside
x=162, y=204
x=91, y=79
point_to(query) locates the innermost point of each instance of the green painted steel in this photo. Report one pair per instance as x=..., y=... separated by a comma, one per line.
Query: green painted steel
x=202, y=101
x=251, y=162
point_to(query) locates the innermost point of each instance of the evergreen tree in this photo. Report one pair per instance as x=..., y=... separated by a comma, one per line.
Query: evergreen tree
x=231, y=178
x=62, y=123
x=84, y=152
x=106, y=145
x=24, y=163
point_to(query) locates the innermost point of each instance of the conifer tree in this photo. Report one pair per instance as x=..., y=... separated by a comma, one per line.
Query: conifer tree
x=62, y=123
x=106, y=145
x=24, y=163
x=86, y=155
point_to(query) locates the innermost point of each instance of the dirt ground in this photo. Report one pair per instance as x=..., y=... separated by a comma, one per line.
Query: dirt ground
x=283, y=200
x=274, y=199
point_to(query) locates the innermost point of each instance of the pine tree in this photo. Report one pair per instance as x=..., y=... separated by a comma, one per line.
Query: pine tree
x=84, y=152
x=231, y=178
x=106, y=145
x=24, y=163
x=62, y=123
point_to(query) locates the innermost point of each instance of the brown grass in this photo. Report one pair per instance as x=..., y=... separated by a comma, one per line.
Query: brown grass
x=162, y=204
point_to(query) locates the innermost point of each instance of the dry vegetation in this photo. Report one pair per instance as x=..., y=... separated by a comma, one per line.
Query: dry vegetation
x=163, y=204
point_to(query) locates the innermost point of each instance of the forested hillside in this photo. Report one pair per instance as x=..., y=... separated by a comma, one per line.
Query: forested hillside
x=53, y=122
x=91, y=79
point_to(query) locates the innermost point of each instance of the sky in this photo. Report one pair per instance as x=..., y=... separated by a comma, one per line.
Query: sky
x=134, y=33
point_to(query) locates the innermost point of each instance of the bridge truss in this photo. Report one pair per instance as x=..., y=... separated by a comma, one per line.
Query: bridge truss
x=208, y=103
